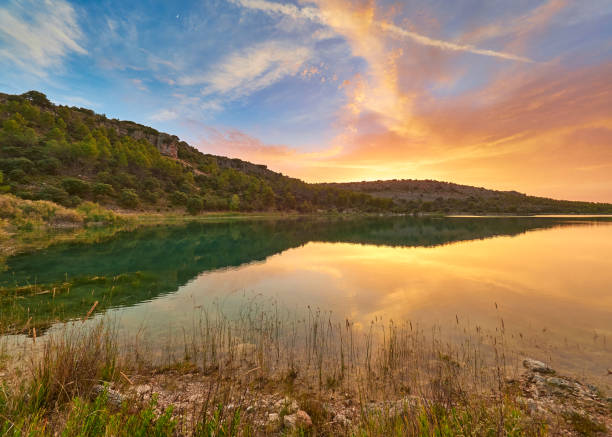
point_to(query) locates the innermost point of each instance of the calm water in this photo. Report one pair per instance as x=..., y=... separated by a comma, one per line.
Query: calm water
x=549, y=279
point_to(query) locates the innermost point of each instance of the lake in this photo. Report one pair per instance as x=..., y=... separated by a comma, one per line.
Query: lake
x=546, y=281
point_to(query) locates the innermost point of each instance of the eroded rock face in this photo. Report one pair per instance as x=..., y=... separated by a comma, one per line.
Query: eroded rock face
x=166, y=144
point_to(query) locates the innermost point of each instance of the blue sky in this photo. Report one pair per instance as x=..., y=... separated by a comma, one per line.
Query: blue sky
x=341, y=89
x=168, y=64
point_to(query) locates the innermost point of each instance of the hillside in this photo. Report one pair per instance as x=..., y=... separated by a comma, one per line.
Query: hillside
x=69, y=155
x=434, y=196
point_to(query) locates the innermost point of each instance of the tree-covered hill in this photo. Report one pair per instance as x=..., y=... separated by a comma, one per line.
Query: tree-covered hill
x=69, y=155
x=434, y=196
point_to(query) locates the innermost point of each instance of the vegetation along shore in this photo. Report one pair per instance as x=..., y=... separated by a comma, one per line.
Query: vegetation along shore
x=258, y=373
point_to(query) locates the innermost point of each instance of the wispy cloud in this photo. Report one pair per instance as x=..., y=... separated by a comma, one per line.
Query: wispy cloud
x=250, y=70
x=313, y=14
x=273, y=8
x=38, y=35
x=446, y=45
x=164, y=115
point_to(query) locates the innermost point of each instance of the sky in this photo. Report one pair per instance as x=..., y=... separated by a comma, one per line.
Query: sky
x=512, y=95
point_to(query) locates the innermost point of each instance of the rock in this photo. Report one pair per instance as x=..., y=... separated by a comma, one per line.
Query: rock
x=301, y=419
x=537, y=366
x=341, y=419
x=113, y=397
x=273, y=423
x=141, y=390
x=290, y=406
x=560, y=382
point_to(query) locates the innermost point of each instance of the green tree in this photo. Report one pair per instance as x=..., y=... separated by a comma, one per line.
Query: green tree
x=234, y=202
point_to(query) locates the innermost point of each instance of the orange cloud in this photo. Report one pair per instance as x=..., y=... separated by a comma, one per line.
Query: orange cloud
x=544, y=129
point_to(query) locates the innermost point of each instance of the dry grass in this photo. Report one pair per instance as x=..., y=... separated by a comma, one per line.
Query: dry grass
x=404, y=379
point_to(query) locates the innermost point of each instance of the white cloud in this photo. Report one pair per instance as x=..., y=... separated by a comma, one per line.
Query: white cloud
x=38, y=35
x=164, y=115
x=313, y=14
x=273, y=8
x=138, y=83
x=247, y=71
x=78, y=101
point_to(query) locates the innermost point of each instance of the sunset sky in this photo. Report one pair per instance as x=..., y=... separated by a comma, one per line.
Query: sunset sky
x=502, y=94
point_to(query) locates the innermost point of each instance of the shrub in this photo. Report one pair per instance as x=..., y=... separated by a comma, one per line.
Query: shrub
x=195, y=205
x=129, y=198
x=55, y=194
x=95, y=213
x=100, y=189
x=17, y=175
x=75, y=186
x=49, y=165
x=152, y=196
x=9, y=164
x=178, y=198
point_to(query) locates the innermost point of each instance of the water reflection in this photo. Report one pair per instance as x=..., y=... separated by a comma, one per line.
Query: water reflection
x=550, y=278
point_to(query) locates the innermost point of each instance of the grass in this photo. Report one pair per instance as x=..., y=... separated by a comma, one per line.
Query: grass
x=404, y=380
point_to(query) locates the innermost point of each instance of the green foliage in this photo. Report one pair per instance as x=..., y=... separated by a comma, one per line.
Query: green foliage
x=17, y=175
x=20, y=163
x=178, y=198
x=49, y=166
x=100, y=189
x=54, y=194
x=98, y=419
x=218, y=425
x=129, y=198
x=75, y=186
x=195, y=205
x=234, y=202
x=95, y=213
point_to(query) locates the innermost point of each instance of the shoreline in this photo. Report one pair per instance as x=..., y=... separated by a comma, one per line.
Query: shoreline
x=266, y=385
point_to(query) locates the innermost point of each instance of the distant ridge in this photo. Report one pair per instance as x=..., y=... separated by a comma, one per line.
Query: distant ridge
x=430, y=195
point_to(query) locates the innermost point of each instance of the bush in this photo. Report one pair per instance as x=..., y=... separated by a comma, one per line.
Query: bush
x=17, y=175
x=9, y=164
x=75, y=186
x=100, y=189
x=95, y=213
x=178, y=198
x=129, y=198
x=55, y=194
x=49, y=165
x=195, y=205
x=152, y=196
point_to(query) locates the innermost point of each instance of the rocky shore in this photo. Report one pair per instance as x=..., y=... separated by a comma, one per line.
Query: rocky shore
x=564, y=405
